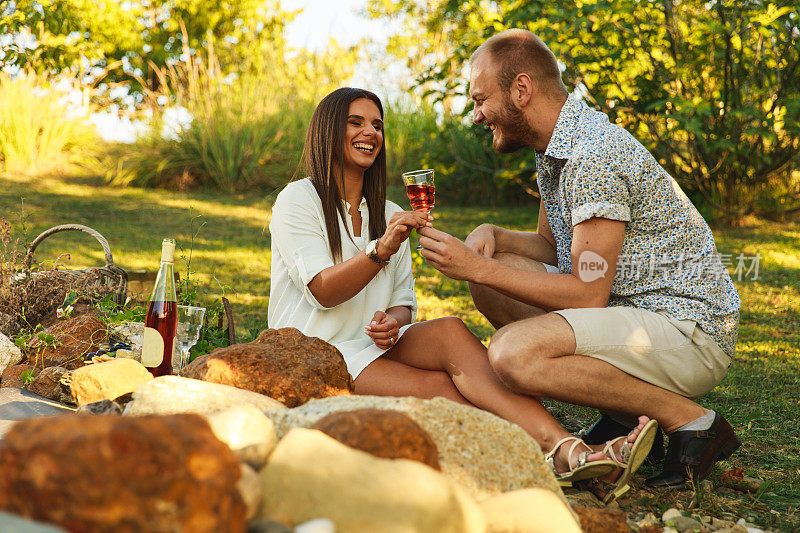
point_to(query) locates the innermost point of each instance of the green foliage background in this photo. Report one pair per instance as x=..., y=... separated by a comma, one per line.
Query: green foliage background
x=710, y=87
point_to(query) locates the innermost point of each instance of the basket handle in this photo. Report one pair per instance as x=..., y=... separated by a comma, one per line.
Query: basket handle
x=26, y=264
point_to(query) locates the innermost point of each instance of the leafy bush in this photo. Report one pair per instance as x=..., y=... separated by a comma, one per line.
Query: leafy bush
x=710, y=87
x=38, y=130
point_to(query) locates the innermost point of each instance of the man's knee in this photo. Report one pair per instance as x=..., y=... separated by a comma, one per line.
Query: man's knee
x=514, y=363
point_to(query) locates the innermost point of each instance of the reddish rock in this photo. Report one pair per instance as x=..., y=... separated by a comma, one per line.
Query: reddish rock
x=282, y=363
x=72, y=339
x=47, y=383
x=383, y=433
x=12, y=376
x=102, y=473
x=602, y=520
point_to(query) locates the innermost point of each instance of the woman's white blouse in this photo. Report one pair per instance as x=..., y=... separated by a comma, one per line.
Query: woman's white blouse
x=300, y=251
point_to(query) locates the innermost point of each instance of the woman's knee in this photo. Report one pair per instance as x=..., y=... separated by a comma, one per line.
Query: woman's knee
x=449, y=325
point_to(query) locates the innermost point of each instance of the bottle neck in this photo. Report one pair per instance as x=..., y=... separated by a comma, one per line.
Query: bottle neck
x=164, y=289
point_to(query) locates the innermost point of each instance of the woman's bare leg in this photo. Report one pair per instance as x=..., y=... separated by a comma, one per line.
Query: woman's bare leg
x=384, y=377
x=445, y=344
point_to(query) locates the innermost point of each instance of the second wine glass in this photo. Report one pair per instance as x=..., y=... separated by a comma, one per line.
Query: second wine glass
x=190, y=323
x=420, y=190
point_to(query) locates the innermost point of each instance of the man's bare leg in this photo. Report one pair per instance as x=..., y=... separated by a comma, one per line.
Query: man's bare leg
x=498, y=308
x=535, y=356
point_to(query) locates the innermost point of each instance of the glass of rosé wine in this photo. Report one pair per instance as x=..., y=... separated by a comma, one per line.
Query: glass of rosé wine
x=420, y=190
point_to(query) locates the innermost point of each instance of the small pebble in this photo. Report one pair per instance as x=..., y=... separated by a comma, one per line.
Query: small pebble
x=682, y=523
x=670, y=514
x=319, y=525
x=100, y=407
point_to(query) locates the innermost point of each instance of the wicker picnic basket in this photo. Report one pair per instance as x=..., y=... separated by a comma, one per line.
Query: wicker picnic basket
x=28, y=298
x=95, y=281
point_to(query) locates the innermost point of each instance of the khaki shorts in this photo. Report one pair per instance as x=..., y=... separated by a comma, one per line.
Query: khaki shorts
x=655, y=347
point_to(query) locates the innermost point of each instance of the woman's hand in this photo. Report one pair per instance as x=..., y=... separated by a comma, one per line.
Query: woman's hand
x=482, y=240
x=383, y=330
x=398, y=229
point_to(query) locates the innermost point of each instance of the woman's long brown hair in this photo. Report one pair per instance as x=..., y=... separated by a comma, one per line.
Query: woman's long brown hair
x=324, y=149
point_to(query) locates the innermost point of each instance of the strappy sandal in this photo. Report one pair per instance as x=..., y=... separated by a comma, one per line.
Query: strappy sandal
x=583, y=469
x=630, y=459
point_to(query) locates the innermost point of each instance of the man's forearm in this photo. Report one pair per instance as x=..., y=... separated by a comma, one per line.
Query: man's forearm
x=540, y=289
x=526, y=244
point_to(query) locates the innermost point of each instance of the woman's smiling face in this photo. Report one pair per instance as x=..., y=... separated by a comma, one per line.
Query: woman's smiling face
x=363, y=138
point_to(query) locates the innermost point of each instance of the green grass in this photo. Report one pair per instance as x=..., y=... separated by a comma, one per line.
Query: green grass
x=231, y=256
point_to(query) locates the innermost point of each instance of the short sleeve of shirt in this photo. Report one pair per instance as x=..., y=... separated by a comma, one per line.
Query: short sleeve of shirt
x=596, y=189
x=298, y=237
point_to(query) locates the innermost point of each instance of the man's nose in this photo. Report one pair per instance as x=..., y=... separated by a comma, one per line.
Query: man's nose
x=477, y=116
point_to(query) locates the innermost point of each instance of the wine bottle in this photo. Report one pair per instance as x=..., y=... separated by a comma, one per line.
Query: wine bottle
x=161, y=321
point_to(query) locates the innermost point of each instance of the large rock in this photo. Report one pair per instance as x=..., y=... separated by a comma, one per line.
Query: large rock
x=47, y=383
x=17, y=404
x=246, y=431
x=282, y=363
x=172, y=394
x=72, y=339
x=100, y=473
x=310, y=475
x=485, y=454
x=528, y=511
x=10, y=354
x=109, y=380
x=382, y=433
x=13, y=376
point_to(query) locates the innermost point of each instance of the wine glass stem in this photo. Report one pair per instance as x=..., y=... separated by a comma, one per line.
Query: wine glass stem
x=419, y=246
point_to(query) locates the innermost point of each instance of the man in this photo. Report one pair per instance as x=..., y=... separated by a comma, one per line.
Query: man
x=639, y=315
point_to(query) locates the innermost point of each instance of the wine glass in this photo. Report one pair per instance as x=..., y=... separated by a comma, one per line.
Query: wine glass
x=190, y=322
x=420, y=190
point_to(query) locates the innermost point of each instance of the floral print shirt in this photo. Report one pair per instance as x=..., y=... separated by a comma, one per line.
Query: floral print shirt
x=669, y=262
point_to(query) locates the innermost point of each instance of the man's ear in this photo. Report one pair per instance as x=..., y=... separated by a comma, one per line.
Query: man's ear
x=522, y=89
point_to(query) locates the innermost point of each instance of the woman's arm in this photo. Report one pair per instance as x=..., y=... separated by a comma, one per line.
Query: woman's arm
x=338, y=283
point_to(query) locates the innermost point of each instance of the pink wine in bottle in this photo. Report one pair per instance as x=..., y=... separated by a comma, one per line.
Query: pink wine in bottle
x=161, y=321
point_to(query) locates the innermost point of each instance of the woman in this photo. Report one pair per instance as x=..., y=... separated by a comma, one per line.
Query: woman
x=341, y=271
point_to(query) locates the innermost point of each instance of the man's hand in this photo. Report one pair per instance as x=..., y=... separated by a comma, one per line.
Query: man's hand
x=449, y=255
x=383, y=330
x=482, y=240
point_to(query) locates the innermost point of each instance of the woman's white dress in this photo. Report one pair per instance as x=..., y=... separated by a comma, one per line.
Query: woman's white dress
x=300, y=251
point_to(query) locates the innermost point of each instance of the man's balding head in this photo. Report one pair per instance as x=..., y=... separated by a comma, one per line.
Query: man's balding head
x=515, y=52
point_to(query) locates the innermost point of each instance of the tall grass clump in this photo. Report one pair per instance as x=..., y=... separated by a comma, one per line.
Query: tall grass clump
x=247, y=130
x=468, y=170
x=242, y=134
x=39, y=129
